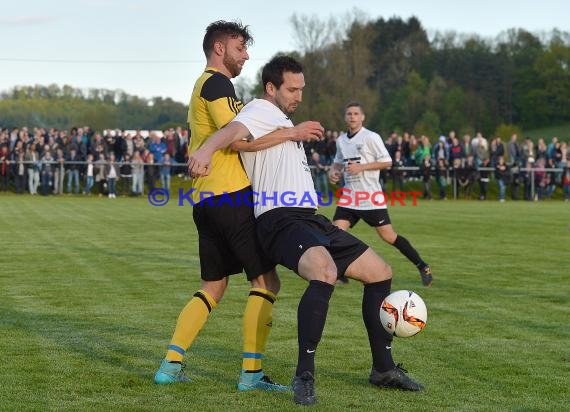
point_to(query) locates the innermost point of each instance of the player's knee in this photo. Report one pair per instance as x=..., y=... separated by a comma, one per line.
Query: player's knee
x=275, y=286
x=215, y=289
x=269, y=281
x=389, y=237
x=321, y=268
x=379, y=273
x=386, y=271
x=330, y=274
x=216, y=294
x=326, y=271
x=382, y=272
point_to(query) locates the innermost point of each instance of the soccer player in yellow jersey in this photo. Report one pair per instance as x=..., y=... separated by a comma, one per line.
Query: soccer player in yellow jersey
x=226, y=226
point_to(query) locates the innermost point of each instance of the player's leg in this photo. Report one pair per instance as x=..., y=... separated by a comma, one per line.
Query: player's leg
x=191, y=320
x=376, y=275
x=292, y=238
x=193, y=317
x=258, y=319
x=342, y=224
x=317, y=267
x=216, y=263
x=384, y=228
x=257, y=323
x=265, y=285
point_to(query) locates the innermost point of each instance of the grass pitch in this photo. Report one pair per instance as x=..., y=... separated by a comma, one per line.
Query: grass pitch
x=90, y=290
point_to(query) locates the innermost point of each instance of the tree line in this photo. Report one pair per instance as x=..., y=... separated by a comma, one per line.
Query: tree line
x=65, y=107
x=408, y=80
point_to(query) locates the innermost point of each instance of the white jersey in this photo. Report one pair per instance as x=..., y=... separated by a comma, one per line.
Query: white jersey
x=280, y=175
x=364, y=147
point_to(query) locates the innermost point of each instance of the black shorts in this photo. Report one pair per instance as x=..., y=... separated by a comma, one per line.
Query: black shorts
x=227, y=238
x=287, y=232
x=373, y=217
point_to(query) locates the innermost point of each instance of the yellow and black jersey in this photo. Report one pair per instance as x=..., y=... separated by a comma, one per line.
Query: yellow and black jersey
x=213, y=105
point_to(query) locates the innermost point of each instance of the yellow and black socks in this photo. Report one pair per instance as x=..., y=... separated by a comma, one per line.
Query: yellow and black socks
x=380, y=340
x=190, y=322
x=257, y=322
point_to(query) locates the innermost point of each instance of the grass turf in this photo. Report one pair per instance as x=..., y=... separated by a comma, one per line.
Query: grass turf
x=90, y=290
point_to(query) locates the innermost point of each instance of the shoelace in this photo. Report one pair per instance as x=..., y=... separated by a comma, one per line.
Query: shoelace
x=268, y=380
x=181, y=371
x=401, y=367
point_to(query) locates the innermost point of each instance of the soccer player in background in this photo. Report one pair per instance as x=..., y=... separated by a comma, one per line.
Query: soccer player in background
x=299, y=239
x=361, y=154
x=227, y=241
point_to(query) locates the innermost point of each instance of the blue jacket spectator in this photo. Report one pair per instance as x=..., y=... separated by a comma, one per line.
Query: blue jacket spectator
x=157, y=147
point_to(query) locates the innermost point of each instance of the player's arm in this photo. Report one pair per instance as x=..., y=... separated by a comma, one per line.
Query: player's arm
x=355, y=168
x=335, y=172
x=306, y=131
x=199, y=161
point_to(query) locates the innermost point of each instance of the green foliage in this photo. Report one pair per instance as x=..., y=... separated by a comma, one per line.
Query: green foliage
x=63, y=108
x=85, y=326
x=454, y=116
x=471, y=83
x=428, y=125
x=505, y=131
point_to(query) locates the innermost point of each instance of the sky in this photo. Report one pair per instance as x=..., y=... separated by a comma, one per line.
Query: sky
x=153, y=48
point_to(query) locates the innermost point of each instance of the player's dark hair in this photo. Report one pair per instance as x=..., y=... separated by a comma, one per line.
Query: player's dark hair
x=274, y=69
x=220, y=30
x=354, y=104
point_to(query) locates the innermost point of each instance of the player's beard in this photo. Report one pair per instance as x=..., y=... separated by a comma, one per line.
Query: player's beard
x=232, y=65
x=288, y=110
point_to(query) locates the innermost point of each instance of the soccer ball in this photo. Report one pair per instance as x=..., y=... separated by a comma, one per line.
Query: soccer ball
x=403, y=313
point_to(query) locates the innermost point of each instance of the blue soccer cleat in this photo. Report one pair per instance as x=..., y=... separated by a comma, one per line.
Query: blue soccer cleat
x=258, y=380
x=170, y=373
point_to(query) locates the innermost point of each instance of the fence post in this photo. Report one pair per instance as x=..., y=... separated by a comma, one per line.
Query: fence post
x=532, y=184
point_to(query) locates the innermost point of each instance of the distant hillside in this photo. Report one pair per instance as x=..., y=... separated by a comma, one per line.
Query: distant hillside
x=561, y=131
x=65, y=107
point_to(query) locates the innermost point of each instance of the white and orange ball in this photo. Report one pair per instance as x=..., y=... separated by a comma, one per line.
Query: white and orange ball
x=403, y=313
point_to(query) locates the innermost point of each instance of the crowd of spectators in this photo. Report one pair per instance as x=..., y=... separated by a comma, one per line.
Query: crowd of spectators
x=457, y=166
x=116, y=161
x=84, y=161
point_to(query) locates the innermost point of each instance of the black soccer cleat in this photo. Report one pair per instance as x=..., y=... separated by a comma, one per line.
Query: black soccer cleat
x=304, y=389
x=427, y=278
x=394, y=379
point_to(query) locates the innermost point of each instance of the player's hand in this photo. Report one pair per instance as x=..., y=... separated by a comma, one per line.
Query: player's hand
x=354, y=168
x=199, y=164
x=308, y=131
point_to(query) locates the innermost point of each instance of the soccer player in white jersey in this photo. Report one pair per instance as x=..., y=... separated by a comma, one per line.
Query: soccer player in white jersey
x=361, y=154
x=293, y=235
